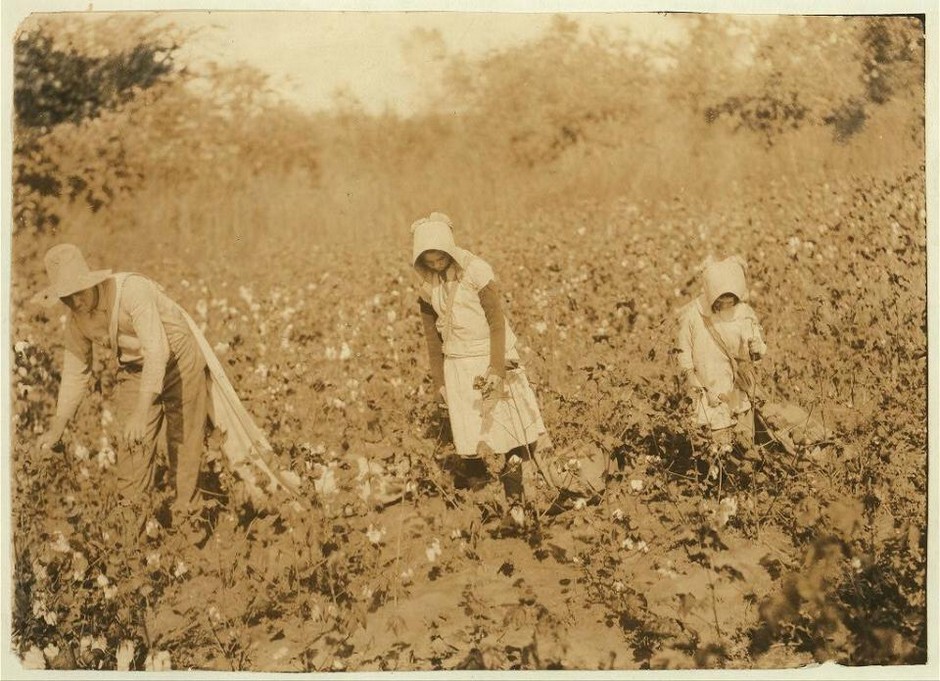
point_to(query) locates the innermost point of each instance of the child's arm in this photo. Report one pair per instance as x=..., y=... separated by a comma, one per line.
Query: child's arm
x=435, y=345
x=684, y=358
x=492, y=308
x=755, y=336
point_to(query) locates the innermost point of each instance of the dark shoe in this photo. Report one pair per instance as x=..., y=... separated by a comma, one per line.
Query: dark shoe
x=471, y=474
x=189, y=529
x=511, y=477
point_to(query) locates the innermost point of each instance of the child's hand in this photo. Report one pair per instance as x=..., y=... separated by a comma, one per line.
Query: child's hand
x=756, y=348
x=492, y=386
x=713, y=399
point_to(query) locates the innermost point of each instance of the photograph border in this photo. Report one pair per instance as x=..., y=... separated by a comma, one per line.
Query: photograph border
x=14, y=11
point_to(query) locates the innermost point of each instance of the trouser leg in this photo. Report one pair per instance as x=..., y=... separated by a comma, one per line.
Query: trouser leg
x=136, y=463
x=744, y=430
x=185, y=404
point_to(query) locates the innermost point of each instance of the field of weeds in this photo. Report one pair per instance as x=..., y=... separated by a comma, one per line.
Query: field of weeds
x=817, y=555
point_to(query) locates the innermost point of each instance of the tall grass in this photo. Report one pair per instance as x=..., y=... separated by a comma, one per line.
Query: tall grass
x=375, y=175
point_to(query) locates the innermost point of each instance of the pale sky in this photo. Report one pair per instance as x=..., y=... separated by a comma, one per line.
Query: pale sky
x=311, y=54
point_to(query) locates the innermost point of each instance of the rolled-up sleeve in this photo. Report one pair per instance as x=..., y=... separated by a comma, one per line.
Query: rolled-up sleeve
x=139, y=301
x=76, y=372
x=755, y=334
x=684, y=348
x=492, y=309
x=434, y=341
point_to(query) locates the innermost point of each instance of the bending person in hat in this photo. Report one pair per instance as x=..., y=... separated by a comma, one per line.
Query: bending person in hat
x=474, y=363
x=167, y=376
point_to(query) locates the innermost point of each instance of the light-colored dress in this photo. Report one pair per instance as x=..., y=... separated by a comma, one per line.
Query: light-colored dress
x=700, y=352
x=514, y=420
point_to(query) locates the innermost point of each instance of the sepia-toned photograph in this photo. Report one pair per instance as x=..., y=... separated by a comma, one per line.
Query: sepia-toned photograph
x=469, y=341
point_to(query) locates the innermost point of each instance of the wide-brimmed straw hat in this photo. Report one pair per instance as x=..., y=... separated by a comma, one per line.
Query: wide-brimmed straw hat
x=68, y=273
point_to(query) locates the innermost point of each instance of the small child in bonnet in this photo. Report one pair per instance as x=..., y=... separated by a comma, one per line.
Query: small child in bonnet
x=718, y=338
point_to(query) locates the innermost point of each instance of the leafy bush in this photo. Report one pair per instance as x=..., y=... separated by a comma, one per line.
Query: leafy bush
x=55, y=84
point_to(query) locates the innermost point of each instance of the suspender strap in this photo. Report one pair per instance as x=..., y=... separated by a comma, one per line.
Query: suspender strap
x=710, y=326
x=449, y=299
x=119, y=280
x=745, y=383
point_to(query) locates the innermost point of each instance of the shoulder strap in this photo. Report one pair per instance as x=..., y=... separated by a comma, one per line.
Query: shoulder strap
x=449, y=312
x=119, y=280
x=710, y=326
x=744, y=380
x=449, y=303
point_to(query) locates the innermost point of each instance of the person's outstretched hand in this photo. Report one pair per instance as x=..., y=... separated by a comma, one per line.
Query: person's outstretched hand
x=49, y=441
x=135, y=429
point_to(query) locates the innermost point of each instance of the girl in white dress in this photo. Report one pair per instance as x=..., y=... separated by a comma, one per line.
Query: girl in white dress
x=494, y=414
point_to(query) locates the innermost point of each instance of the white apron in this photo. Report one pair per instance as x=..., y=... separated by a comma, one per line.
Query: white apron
x=514, y=420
